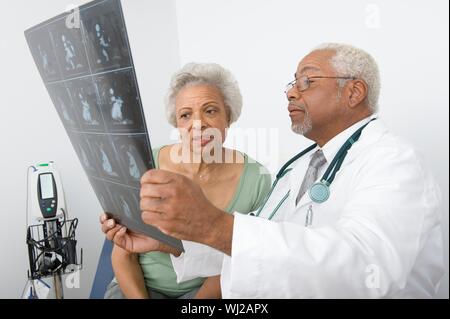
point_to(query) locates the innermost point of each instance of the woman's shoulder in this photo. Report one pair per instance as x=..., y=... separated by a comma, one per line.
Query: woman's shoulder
x=256, y=181
x=253, y=168
x=158, y=154
x=157, y=149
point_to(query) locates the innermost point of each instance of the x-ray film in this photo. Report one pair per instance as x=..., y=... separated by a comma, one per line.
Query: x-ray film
x=85, y=62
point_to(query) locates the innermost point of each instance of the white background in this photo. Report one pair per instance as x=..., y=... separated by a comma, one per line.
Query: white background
x=261, y=42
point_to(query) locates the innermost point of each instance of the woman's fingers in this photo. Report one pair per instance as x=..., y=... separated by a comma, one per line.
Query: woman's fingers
x=108, y=225
x=111, y=233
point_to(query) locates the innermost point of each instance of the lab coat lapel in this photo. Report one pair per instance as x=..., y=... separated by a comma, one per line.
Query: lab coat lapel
x=369, y=135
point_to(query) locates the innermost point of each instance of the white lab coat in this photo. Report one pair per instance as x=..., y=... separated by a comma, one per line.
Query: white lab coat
x=378, y=235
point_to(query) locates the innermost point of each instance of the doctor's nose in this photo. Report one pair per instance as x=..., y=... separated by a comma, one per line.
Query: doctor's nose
x=292, y=93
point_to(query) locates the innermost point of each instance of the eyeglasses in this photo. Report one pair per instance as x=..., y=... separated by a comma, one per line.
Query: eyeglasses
x=303, y=82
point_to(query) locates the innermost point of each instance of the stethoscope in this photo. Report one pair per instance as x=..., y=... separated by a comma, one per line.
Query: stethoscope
x=319, y=192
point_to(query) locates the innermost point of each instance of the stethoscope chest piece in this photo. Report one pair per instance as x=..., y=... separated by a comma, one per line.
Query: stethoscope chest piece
x=319, y=192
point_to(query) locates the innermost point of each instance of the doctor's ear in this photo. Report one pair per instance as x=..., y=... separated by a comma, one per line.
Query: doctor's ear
x=357, y=90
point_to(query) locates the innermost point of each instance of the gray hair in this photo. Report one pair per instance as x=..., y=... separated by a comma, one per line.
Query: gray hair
x=208, y=74
x=354, y=62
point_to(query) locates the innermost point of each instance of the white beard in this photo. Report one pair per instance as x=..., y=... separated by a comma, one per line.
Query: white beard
x=302, y=128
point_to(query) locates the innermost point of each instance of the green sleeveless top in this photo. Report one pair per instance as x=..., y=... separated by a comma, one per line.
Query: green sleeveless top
x=157, y=267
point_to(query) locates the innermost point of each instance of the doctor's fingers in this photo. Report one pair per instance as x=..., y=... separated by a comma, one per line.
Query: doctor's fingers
x=156, y=190
x=158, y=176
x=157, y=205
x=157, y=220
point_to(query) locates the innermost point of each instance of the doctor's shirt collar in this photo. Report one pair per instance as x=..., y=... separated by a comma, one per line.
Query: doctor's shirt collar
x=331, y=148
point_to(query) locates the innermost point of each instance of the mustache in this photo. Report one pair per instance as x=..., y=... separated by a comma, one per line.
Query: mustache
x=300, y=106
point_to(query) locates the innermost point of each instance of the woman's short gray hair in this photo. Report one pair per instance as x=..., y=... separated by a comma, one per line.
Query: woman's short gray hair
x=209, y=74
x=352, y=61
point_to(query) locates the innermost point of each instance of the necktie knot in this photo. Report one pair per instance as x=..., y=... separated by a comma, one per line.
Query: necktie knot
x=318, y=159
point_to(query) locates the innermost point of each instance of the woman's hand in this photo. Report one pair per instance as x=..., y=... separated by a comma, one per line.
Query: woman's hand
x=126, y=239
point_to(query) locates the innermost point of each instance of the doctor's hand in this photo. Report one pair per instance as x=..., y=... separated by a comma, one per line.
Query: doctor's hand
x=177, y=206
x=131, y=241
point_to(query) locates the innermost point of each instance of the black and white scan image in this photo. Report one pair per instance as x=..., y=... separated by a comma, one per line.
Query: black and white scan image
x=85, y=102
x=134, y=156
x=107, y=158
x=40, y=43
x=86, y=155
x=90, y=77
x=120, y=103
x=69, y=48
x=63, y=104
x=103, y=195
x=127, y=202
x=107, y=44
x=126, y=199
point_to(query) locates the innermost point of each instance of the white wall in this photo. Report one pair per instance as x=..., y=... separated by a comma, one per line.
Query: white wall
x=261, y=42
x=31, y=132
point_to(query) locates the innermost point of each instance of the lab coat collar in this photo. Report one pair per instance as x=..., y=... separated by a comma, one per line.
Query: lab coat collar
x=331, y=148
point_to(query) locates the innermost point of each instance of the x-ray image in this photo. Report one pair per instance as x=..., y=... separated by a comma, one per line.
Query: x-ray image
x=85, y=101
x=135, y=156
x=90, y=77
x=126, y=200
x=107, y=158
x=70, y=49
x=120, y=102
x=103, y=195
x=107, y=43
x=86, y=155
x=63, y=104
x=41, y=47
x=128, y=203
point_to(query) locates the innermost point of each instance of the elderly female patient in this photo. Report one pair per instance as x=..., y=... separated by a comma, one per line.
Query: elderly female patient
x=203, y=100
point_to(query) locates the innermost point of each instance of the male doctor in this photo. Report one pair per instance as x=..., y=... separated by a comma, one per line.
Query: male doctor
x=355, y=216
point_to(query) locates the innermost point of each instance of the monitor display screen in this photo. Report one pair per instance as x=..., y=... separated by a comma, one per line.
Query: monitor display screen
x=46, y=183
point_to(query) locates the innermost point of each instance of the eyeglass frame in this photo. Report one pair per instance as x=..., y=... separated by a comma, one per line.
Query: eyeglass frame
x=293, y=83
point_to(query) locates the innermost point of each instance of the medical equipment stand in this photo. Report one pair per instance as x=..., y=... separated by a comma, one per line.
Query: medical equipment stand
x=51, y=244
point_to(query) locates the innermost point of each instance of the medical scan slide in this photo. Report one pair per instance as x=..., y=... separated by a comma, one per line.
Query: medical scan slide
x=132, y=163
x=63, y=104
x=84, y=97
x=69, y=49
x=107, y=43
x=88, y=71
x=119, y=101
x=84, y=150
x=103, y=195
x=126, y=202
x=41, y=47
x=105, y=155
